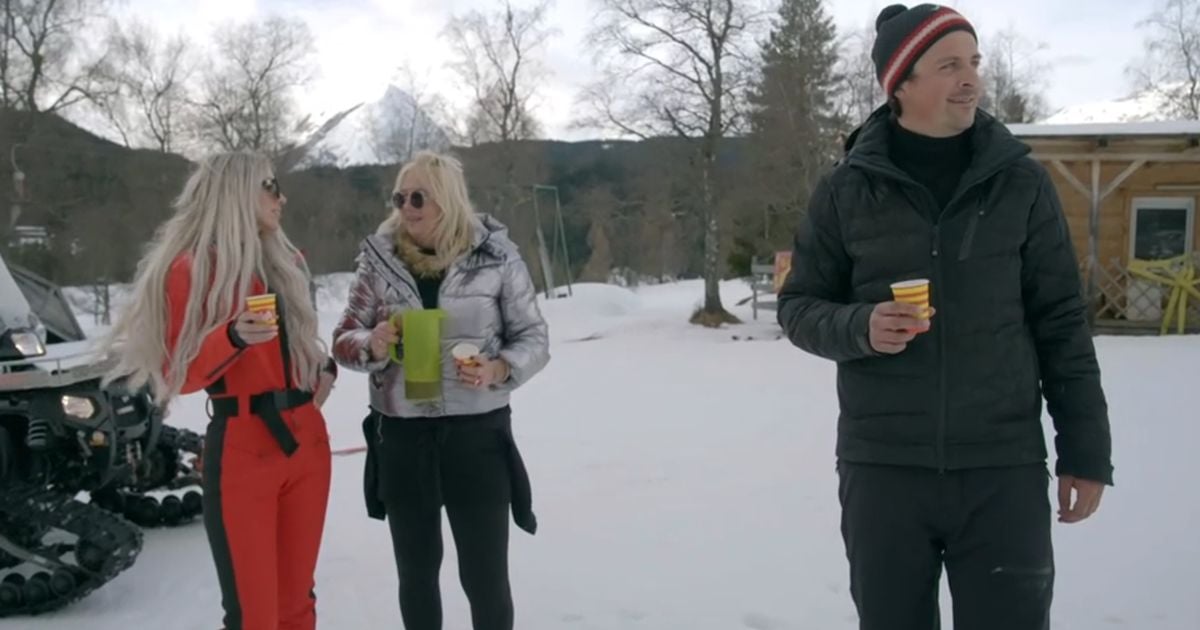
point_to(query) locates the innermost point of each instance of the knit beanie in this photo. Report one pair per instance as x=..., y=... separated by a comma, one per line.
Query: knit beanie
x=904, y=34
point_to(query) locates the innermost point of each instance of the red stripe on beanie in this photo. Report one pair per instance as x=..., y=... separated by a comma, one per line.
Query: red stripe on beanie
x=911, y=48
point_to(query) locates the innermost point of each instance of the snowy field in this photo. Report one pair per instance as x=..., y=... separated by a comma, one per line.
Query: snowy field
x=684, y=480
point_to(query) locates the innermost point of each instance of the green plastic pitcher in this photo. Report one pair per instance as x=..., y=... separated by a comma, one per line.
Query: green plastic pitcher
x=422, y=361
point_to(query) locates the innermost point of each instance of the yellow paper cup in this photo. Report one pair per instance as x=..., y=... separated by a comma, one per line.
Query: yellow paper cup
x=914, y=292
x=264, y=303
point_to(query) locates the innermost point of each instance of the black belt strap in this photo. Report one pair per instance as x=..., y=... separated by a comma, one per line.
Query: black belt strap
x=268, y=406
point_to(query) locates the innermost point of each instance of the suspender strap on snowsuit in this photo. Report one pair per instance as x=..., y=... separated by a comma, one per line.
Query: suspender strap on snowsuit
x=267, y=406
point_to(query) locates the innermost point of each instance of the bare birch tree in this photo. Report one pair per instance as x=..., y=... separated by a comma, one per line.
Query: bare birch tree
x=1014, y=77
x=682, y=68
x=498, y=63
x=860, y=94
x=45, y=61
x=1171, y=65
x=151, y=76
x=247, y=95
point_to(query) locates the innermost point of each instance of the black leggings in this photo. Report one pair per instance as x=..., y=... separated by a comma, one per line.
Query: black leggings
x=481, y=539
x=461, y=463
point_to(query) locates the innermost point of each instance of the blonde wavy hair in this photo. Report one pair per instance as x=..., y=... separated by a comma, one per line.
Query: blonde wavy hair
x=215, y=224
x=454, y=232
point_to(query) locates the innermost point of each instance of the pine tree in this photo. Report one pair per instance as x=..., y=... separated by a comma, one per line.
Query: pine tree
x=793, y=124
x=598, y=205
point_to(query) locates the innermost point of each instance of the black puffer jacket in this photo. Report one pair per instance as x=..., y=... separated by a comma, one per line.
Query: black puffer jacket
x=1010, y=324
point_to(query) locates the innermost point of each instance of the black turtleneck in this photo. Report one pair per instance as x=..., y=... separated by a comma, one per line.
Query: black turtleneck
x=429, y=286
x=936, y=163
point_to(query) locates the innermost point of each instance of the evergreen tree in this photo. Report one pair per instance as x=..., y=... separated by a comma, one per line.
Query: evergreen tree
x=793, y=123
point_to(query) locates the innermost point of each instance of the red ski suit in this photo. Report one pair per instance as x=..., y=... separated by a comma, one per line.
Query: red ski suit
x=264, y=510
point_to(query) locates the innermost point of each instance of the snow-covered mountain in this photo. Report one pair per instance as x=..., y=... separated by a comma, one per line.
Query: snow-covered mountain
x=380, y=132
x=1147, y=106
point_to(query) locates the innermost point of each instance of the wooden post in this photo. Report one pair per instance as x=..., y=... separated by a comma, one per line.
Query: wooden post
x=1093, y=244
x=1095, y=197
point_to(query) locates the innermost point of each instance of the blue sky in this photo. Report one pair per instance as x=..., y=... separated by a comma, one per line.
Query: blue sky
x=361, y=42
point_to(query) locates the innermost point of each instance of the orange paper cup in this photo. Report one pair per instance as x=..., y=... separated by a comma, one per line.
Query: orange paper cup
x=914, y=292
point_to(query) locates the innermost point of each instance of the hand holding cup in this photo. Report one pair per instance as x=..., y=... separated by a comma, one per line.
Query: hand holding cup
x=465, y=354
x=254, y=327
x=894, y=324
x=476, y=370
x=264, y=303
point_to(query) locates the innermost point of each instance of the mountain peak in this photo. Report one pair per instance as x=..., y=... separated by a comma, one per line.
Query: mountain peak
x=385, y=131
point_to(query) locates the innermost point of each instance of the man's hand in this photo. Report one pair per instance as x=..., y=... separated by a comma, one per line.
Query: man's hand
x=1087, y=498
x=894, y=324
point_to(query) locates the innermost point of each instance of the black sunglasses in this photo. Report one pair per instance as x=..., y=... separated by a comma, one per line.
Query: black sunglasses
x=416, y=198
x=271, y=185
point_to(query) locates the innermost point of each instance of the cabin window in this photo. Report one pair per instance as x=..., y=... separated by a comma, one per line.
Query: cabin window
x=1162, y=227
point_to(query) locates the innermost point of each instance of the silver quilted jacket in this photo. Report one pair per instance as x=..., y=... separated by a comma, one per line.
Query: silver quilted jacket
x=489, y=299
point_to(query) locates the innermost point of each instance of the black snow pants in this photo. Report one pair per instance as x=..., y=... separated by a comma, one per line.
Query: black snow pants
x=989, y=527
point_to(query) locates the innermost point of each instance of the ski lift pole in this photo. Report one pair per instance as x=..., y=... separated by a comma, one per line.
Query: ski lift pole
x=18, y=185
x=543, y=255
x=562, y=233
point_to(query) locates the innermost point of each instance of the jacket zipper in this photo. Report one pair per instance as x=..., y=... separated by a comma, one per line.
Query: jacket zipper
x=944, y=398
x=440, y=300
x=935, y=254
x=401, y=274
x=936, y=257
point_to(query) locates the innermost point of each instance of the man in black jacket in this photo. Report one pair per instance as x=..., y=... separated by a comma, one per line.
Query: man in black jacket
x=941, y=455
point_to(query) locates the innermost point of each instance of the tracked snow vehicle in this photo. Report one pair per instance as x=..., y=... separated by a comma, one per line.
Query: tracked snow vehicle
x=79, y=463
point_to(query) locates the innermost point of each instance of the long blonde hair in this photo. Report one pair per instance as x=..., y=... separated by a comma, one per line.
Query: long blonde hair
x=215, y=224
x=455, y=230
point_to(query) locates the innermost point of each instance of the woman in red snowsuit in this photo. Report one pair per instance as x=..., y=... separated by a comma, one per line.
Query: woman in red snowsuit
x=266, y=453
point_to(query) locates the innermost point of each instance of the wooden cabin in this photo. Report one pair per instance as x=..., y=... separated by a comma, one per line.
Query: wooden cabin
x=1129, y=191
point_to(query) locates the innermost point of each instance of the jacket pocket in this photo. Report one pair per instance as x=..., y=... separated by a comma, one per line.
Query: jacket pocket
x=969, y=238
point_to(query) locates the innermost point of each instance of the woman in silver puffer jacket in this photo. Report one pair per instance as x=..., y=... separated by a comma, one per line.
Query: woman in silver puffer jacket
x=455, y=448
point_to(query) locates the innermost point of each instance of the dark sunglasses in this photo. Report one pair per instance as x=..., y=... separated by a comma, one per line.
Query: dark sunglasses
x=416, y=198
x=271, y=185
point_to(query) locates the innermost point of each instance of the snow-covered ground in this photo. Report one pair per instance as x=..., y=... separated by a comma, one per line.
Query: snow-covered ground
x=684, y=480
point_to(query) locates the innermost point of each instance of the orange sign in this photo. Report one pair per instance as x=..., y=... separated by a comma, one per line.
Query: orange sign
x=783, y=265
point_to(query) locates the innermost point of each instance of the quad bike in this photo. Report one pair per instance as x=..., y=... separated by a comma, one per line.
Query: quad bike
x=82, y=465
